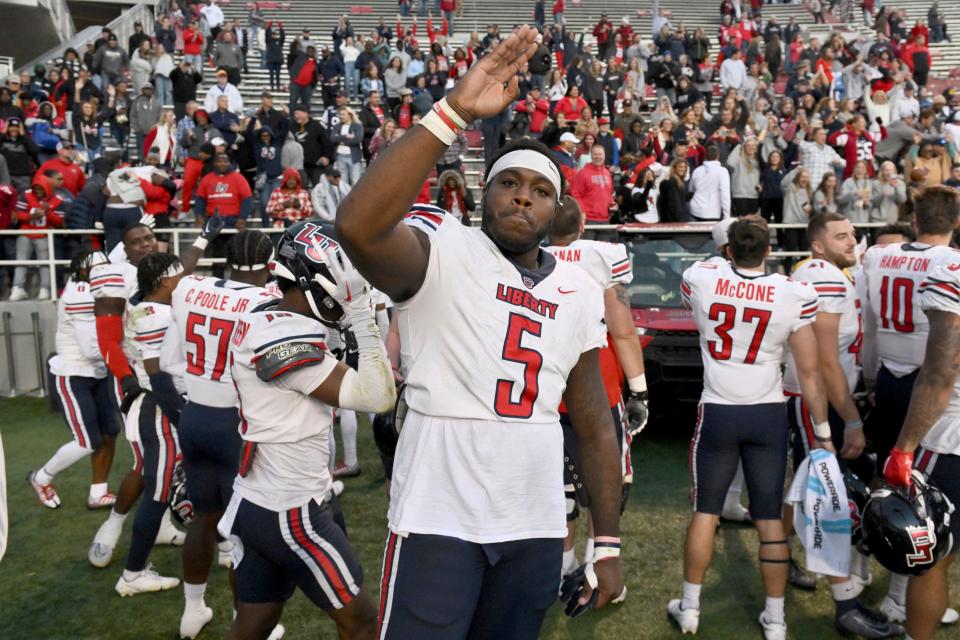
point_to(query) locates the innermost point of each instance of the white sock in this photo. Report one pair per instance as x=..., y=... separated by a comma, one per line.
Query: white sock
x=898, y=588
x=193, y=594
x=63, y=458
x=843, y=591
x=773, y=610
x=98, y=490
x=348, y=432
x=691, y=595
x=588, y=550
x=115, y=519
x=129, y=576
x=859, y=563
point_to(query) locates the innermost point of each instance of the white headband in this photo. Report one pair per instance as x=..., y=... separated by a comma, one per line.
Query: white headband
x=253, y=267
x=528, y=159
x=173, y=271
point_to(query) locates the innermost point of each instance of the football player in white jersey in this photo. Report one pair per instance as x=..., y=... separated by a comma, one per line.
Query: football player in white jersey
x=838, y=329
x=85, y=391
x=205, y=311
x=746, y=318
x=895, y=332
x=112, y=285
x=279, y=517
x=930, y=437
x=494, y=332
x=610, y=266
x=152, y=416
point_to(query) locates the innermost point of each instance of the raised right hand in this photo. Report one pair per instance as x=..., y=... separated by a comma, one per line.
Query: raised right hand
x=492, y=84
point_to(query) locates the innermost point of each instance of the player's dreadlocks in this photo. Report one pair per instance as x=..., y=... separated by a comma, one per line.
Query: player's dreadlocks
x=151, y=271
x=79, y=269
x=249, y=251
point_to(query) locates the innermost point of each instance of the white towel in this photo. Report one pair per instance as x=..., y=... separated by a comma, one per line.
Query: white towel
x=821, y=514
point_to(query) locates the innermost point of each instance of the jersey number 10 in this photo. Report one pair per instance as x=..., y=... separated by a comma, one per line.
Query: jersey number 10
x=722, y=349
x=219, y=329
x=896, y=304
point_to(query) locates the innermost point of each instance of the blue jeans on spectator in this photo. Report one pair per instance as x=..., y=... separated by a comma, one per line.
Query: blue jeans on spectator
x=539, y=79
x=558, y=18
x=268, y=188
x=300, y=95
x=92, y=154
x=121, y=134
x=263, y=58
x=351, y=78
x=349, y=169
x=273, y=68
x=449, y=16
x=32, y=248
x=196, y=61
x=164, y=89
x=116, y=217
x=405, y=8
x=8, y=251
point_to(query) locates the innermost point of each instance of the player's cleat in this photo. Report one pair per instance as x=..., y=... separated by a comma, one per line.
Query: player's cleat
x=193, y=620
x=105, y=501
x=337, y=487
x=861, y=621
x=46, y=493
x=169, y=534
x=344, y=471
x=800, y=578
x=898, y=612
x=146, y=581
x=687, y=619
x=225, y=554
x=104, y=542
x=772, y=630
x=620, y=598
x=735, y=513
x=277, y=633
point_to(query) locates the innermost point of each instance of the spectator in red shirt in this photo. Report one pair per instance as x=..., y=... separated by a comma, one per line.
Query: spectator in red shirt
x=37, y=210
x=193, y=45
x=625, y=31
x=603, y=32
x=592, y=188
x=404, y=112
x=537, y=108
x=571, y=104
x=226, y=193
x=73, y=176
x=557, y=10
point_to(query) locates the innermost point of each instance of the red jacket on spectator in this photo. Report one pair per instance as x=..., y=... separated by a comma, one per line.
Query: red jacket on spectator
x=920, y=29
x=558, y=6
x=539, y=112
x=73, y=177
x=912, y=47
x=39, y=197
x=151, y=137
x=192, y=170
x=158, y=198
x=192, y=42
x=602, y=31
x=592, y=188
x=625, y=31
x=8, y=206
x=570, y=107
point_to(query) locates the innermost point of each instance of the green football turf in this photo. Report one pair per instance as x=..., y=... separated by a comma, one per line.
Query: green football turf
x=48, y=590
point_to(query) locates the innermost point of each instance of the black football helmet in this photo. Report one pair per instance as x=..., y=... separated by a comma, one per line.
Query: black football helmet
x=300, y=258
x=907, y=528
x=857, y=496
x=180, y=504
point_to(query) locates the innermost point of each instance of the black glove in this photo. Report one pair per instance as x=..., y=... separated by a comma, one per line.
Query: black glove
x=212, y=227
x=131, y=390
x=571, y=586
x=637, y=410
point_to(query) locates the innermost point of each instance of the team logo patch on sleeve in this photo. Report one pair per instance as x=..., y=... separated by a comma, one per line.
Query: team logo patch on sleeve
x=285, y=357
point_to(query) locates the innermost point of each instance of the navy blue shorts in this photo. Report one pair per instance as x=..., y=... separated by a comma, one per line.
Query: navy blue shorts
x=116, y=218
x=302, y=547
x=728, y=434
x=210, y=442
x=883, y=424
x=158, y=450
x=443, y=588
x=89, y=408
x=943, y=471
x=801, y=429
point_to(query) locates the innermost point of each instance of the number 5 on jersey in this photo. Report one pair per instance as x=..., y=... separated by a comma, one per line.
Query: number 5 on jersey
x=532, y=361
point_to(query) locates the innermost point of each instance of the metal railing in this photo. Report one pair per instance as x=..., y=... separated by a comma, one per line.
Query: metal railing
x=61, y=17
x=178, y=235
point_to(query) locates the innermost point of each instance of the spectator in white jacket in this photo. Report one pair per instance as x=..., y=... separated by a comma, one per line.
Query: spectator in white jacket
x=328, y=194
x=733, y=73
x=223, y=88
x=710, y=185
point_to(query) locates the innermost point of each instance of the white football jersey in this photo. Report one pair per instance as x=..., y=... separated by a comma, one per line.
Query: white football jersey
x=144, y=326
x=893, y=274
x=113, y=280
x=290, y=428
x=836, y=293
x=489, y=346
x=78, y=353
x=606, y=262
x=745, y=320
x=941, y=292
x=205, y=311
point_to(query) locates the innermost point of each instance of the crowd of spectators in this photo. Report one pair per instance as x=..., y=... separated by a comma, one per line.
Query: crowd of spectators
x=691, y=126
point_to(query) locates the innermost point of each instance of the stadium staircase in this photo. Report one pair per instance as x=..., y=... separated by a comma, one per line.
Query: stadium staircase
x=320, y=16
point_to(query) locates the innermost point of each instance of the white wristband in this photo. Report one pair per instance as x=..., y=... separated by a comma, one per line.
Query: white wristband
x=443, y=122
x=822, y=430
x=853, y=424
x=638, y=384
x=201, y=243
